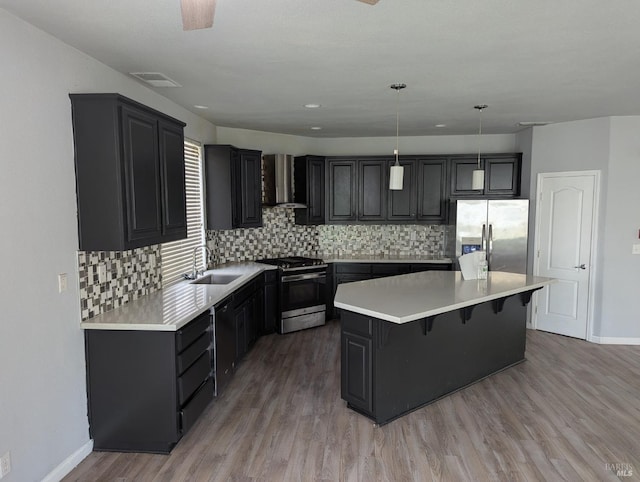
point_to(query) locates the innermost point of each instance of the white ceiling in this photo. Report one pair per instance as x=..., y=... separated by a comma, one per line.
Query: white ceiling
x=529, y=60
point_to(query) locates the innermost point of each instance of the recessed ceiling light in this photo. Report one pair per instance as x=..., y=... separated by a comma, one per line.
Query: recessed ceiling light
x=316, y=128
x=201, y=107
x=312, y=106
x=441, y=125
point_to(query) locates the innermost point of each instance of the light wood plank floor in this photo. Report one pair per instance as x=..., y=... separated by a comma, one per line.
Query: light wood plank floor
x=572, y=408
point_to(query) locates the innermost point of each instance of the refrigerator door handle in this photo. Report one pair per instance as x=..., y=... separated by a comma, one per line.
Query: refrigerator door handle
x=483, y=243
x=490, y=247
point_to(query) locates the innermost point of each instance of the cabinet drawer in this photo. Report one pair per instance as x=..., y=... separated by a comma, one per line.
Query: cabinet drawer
x=190, y=380
x=355, y=268
x=192, y=331
x=192, y=410
x=193, y=352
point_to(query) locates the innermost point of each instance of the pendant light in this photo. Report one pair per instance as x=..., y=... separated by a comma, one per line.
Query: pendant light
x=477, y=181
x=396, y=175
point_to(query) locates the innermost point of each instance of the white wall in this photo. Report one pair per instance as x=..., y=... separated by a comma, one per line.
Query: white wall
x=270, y=143
x=611, y=145
x=414, y=145
x=267, y=142
x=43, y=411
x=620, y=316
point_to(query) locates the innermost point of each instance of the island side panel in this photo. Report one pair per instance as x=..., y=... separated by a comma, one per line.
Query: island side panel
x=410, y=369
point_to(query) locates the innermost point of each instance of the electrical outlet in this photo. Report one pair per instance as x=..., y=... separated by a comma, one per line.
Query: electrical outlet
x=152, y=260
x=62, y=282
x=5, y=464
x=413, y=235
x=102, y=273
x=635, y=249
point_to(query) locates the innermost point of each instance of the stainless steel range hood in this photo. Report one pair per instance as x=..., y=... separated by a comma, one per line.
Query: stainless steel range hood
x=278, y=181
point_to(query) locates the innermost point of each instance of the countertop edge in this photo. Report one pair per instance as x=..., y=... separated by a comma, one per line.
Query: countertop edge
x=443, y=309
x=329, y=259
x=183, y=319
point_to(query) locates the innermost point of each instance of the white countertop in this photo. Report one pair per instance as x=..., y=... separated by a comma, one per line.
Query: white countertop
x=409, y=297
x=171, y=308
x=382, y=258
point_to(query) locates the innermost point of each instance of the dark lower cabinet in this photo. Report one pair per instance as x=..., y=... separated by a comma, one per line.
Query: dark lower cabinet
x=271, y=300
x=146, y=389
x=357, y=368
x=390, y=369
x=240, y=319
x=130, y=174
x=225, y=338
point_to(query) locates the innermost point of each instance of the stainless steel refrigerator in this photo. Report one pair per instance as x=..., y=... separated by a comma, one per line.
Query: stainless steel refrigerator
x=496, y=226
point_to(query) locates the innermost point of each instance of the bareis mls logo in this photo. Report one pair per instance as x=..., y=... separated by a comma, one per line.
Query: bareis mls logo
x=621, y=470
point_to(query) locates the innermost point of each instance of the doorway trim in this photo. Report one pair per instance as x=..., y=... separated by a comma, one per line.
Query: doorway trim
x=593, y=256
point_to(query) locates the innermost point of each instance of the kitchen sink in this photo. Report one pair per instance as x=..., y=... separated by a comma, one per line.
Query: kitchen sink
x=216, y=279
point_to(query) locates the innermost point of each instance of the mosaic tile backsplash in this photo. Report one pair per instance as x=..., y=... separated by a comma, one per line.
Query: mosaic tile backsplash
x=129, y=275
x=382, y=239
x=135, y=273
x=279, y=236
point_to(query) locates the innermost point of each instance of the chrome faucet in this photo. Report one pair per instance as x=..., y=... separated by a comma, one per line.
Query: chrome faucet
x=194, y=274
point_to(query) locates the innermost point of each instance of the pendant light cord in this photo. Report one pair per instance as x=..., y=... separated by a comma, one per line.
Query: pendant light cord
x=479, y=136
x=480, y=109
x=398, y=88
x=397, y=126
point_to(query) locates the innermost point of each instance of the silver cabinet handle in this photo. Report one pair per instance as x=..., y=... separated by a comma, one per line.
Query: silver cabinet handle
x=582, y=266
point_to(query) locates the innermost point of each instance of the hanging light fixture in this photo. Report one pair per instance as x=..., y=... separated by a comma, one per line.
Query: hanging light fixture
x=396, y=175
x=477, y=181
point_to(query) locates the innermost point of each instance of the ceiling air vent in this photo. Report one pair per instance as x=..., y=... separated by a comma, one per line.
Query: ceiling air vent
x=155, y=79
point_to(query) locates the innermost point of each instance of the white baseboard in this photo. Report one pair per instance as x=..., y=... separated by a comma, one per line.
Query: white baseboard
x=68, y=464
x=614, y=340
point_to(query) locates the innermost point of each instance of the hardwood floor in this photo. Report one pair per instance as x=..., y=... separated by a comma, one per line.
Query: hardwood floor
x=572, y=408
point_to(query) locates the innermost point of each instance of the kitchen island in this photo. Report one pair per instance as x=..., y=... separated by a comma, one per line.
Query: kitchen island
x=409, y=340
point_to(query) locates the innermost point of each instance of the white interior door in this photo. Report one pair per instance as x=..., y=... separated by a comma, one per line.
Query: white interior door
x=565, y=228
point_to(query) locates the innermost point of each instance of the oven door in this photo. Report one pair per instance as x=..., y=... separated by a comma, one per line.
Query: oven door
x=303, y=293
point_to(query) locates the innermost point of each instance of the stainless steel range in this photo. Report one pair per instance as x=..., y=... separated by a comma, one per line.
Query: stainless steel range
x=303, y=292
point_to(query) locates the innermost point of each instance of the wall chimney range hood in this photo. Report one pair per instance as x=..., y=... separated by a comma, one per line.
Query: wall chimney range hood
x=278, y=181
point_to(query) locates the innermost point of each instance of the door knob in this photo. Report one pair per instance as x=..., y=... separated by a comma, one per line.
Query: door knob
x=582, y=266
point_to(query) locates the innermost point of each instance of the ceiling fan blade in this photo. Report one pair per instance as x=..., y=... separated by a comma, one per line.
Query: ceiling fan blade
x=197, y=14
x=370, y=2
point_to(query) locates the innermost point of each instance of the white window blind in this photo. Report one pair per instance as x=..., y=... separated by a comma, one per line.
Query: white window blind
x=177, y=256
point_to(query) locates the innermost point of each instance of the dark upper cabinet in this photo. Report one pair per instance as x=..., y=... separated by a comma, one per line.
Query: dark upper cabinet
x=233, y=187
x=129, y=162
x=342, y=190
x=402, y=203
x=432, y=190
x=172, y=176
x=249, y=177
x=308, y=180
x=372, y=190
x=501, y=178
